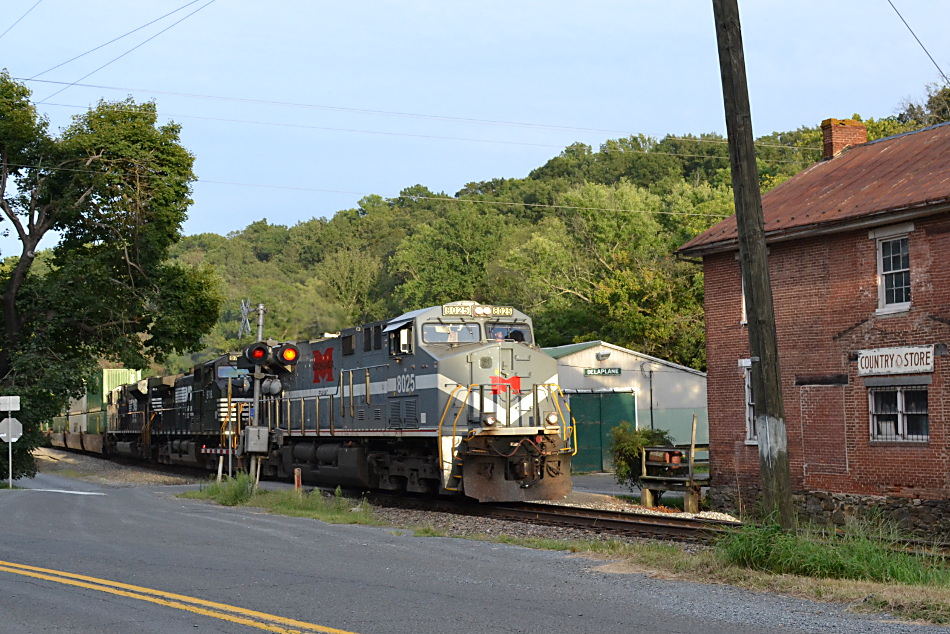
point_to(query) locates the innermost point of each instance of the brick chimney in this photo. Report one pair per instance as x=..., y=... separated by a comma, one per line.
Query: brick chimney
x=841, y=133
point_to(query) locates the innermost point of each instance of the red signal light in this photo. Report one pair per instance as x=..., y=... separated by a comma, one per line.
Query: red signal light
x=287, y=354
x=258, y=353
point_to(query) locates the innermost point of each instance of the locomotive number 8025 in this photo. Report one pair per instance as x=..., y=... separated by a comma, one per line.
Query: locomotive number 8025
x=454, y=399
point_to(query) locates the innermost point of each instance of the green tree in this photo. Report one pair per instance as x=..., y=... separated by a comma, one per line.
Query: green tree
x=115, y=186
x=350, y=276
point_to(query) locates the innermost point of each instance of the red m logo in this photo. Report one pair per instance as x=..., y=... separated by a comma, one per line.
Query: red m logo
x=323, y=365
x=498, y=384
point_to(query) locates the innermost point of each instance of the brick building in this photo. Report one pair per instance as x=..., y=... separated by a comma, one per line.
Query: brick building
x=859, y=258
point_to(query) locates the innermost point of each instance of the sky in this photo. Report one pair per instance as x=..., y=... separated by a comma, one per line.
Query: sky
x=296, y=109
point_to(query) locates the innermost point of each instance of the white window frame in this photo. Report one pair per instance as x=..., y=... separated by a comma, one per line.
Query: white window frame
x=751, y=435
x=899, y=432
x=880, y=236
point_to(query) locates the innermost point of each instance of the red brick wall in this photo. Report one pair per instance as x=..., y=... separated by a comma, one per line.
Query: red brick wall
x=825, y=293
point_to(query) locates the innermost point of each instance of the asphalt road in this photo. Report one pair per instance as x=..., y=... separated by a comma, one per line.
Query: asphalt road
x=76, y=557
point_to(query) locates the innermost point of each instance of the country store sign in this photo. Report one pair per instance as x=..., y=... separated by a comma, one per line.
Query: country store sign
x=907, y=360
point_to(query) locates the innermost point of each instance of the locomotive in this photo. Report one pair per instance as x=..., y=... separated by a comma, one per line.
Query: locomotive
x=454, y=400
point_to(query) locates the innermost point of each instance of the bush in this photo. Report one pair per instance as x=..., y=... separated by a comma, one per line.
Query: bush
x=626, y=447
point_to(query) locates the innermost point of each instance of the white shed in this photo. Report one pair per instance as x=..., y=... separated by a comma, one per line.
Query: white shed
x=608, y=385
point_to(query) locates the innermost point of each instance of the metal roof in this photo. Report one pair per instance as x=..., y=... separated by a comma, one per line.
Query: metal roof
x=559, y=352
x=562, y=351
x=879, y=182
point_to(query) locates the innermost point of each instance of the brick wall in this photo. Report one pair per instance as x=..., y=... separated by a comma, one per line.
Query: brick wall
x=825, y=293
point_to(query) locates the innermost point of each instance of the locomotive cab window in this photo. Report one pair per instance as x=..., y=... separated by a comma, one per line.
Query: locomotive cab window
x=400, y=341
x=450, y=333
x=230, y=372
x=508, y=332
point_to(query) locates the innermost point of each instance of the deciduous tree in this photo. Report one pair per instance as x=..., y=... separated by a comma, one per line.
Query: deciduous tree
x=114, y=188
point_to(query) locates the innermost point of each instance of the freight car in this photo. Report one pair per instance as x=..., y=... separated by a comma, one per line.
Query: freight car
x=454, y=399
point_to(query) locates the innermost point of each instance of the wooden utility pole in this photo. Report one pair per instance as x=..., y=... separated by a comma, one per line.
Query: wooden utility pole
x=766, y=379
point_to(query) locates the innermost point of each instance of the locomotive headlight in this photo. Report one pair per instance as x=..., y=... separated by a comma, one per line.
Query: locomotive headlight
x=551, y=419
x=489, y=421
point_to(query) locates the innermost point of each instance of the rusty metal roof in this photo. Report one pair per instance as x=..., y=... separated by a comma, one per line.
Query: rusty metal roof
x=879, y=182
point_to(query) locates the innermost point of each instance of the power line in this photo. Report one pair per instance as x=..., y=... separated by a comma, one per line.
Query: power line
x=110, y=42
x=289, y=104
x=939, y=70
x=302, y=126
x=127, y=52
x=472, y=201
x=21, y=17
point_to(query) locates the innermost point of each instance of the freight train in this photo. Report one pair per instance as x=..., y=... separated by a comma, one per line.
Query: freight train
x=454, y=400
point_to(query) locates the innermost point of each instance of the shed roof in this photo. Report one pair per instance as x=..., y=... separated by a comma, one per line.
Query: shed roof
x=562, y=351
x=888, y=180
x=558, y=352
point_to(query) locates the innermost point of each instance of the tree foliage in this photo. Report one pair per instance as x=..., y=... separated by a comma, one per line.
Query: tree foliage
x=115, y=187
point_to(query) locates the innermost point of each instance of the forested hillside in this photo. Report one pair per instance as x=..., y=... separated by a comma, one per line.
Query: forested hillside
x=584, y=244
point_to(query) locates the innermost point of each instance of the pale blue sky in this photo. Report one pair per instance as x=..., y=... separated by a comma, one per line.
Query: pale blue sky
x=393, y=94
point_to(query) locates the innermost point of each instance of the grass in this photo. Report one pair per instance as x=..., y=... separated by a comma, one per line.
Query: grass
x=861, y=566
x=333, y=509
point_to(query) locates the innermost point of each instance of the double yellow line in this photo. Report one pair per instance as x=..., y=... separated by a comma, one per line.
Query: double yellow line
x=234, y=614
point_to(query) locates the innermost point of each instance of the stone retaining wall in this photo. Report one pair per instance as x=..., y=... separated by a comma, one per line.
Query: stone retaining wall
x=925, y=517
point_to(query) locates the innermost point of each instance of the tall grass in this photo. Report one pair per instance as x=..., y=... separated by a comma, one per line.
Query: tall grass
x=868, y=550
x=229, y=492
x=335, y=509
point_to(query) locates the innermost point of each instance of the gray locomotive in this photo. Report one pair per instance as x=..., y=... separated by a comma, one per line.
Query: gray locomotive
x=454, y=399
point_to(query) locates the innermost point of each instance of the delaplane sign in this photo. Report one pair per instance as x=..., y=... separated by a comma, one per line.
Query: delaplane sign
x=906, y=360
x=601, y=371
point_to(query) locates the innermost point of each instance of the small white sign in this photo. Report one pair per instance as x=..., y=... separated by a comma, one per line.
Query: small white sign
x=906, y=360
x=10, y=430
x=9, y=403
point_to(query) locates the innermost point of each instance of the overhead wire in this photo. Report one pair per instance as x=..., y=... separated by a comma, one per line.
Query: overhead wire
x=939, y=70
x=92, y=50
x=21, y=17
x=282, y=124
x=473, y=201
x=290, y=104
x=172, y=25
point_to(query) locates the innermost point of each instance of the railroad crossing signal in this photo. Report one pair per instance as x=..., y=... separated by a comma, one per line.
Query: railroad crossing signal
x=10, y=430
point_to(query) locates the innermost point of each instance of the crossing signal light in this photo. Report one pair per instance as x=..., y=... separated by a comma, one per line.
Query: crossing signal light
x=286, y=354
x=258, y=353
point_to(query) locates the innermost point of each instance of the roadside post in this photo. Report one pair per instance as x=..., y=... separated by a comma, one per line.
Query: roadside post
x=10, y=429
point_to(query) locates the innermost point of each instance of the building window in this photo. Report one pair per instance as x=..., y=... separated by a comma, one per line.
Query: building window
x=893, y=267
x=895, y=271
x=899, y=413
x=751, y=435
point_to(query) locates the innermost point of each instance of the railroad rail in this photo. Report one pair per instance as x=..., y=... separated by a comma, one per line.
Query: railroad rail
x=631, y=524
x=599, y=521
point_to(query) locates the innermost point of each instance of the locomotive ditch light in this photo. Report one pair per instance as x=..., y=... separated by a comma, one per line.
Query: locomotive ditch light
x=489, y=420
x=287, y=354
x=551, y=419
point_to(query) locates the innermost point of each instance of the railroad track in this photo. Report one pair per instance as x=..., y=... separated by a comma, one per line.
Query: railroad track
x=623, y=523
x=600, y=521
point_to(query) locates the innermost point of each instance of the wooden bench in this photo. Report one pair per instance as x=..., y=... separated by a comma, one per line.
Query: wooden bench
x=683, y=468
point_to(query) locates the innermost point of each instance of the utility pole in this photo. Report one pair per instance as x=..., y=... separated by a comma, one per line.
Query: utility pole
x=768, y=408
